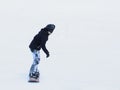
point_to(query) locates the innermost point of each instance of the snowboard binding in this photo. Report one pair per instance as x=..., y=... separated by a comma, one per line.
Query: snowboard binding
x=34, y=77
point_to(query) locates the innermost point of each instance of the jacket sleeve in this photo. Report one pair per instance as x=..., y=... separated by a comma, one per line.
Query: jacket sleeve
x=43, y=45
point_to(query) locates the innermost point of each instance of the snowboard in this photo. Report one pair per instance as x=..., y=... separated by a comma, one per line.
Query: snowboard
x=34, y=80
x=34, y=77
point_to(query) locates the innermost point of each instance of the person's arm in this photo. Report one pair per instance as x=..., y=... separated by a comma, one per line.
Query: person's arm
x=43, y=46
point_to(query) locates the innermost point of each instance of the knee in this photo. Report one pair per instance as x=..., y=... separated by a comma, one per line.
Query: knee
x=37, y=61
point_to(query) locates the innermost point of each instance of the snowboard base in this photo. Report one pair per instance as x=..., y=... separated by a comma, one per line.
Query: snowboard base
x=33, y=80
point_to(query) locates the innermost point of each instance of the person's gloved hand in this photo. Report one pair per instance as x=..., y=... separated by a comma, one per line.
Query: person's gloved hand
x=47, y=55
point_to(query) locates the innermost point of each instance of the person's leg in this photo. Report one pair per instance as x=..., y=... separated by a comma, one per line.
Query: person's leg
x=36, y=60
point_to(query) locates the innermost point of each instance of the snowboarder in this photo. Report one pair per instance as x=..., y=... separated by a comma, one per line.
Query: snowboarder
x=38, y=42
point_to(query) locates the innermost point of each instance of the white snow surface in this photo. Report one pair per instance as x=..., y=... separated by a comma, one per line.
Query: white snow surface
x=84, y=47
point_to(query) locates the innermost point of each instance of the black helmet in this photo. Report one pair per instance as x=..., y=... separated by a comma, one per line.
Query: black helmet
x=50, y=27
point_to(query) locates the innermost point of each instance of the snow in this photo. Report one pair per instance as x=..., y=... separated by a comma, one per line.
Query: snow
x=84, y=48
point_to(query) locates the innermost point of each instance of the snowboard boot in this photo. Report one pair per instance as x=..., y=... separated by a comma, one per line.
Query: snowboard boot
x=34, y=75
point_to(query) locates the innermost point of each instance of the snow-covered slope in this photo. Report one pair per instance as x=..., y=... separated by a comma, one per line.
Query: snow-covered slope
x=84, y=48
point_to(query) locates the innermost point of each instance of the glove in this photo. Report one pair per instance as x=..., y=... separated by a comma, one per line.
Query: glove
x=47, y=55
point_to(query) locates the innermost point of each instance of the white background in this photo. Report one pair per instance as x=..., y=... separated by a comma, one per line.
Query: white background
x=84, y=48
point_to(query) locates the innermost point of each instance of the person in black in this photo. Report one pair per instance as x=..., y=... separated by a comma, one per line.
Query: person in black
x=38, y=43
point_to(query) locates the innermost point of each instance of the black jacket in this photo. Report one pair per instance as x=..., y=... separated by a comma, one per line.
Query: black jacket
x=39, y=41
